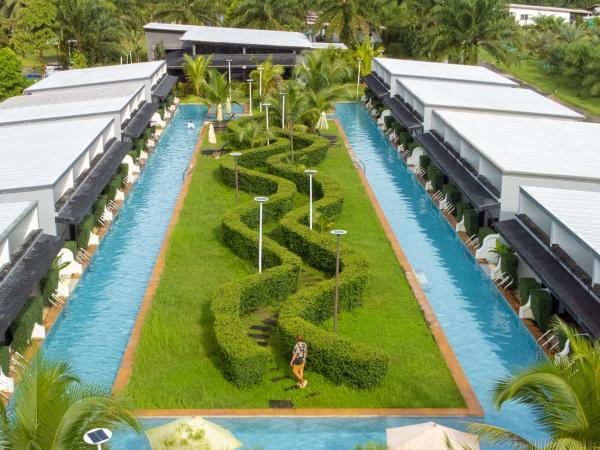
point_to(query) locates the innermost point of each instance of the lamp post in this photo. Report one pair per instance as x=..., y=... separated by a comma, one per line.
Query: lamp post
x=260, y=201
x=310, y=173
x=260, y=71
x=236, y=155
x=283, y=93
x=267, y=105
x=358, y=76
x=229, y=76
x=250, y=80
x=338, y=234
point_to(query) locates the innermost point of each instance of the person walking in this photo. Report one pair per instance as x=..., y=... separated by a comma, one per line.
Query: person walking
x=298, y=360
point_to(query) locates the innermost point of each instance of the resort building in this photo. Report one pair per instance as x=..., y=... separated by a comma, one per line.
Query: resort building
x=62, y=165
x=556, y=235
x=526, y=14
x=153, y=75
x=120, y=102
x=489, y=156
x=416, y=100
x=385, y=72
x=26, y=254
x=241, y=49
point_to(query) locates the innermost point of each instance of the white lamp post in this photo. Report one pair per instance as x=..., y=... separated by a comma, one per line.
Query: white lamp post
x=236, y=155
x=310, y=173
x=250, y=80
x=229, y=76
x=260, y=201
x=282, y=93
x=358, y=76
x=338, y=234
x=267, y=105
x=97, y=437
x=260, y=70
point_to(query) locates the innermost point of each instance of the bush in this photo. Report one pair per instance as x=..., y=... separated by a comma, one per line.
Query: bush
x=99, y=207
x=21, y=328
x=123, y=170
x=460, y=207
x=541, y=307
x=435, y=175
x=85, y=229
x=452, y=193
x=483, y=232
x=71, y=245
x=525, y=287
x=115, y=184
x=509, y=264
x=5, y=359
x=389, y=121
x=424, y=161
x=471, y=221
x=49, y=282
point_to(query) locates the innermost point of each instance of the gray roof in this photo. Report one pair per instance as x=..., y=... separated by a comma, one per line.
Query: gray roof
x=577, y=211
x=97, y=75
x=11, y=214
x=50, y=106
x=37, y=155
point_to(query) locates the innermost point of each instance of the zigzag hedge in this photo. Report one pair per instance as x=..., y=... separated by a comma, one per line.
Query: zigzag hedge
x=243, y=362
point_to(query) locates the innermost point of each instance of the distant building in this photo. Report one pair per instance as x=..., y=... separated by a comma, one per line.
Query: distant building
x=525, y=14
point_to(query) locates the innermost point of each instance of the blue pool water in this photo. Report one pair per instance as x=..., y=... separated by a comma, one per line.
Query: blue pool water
x=94, y=333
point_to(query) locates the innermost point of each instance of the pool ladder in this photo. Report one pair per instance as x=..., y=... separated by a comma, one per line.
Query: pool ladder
x=504, y=281
x=472, y=242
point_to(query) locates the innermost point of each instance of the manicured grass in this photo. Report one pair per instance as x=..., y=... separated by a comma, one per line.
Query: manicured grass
x=176, y=365
x=533, y=72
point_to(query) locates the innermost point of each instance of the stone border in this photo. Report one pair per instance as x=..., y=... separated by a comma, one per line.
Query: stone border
x=126, y=366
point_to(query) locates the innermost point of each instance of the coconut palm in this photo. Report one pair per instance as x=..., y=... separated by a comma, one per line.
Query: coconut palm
x=366, y=51
x=195, y=70
x=52, y=409
x=215, y=89
x=570, y=32
x=548, y=23
x=296, y=105
x=248, y=134
x=564, y=395
x=348, y=19
x=322, y=68
x=194, y=12
x=266, y=14
x=272, y=75
x=463, y=27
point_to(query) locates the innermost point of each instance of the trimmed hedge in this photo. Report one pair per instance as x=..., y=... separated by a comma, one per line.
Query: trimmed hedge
x=424, y=162
x=85, y=229
x=483, y=233
x=113, y=186
x=5, y=359
x=471, y=219
x=541, y=307
x=460, y=207
x=435, y=175
x=21, y=328
x=71, y=245
x=49, y=282
x=509, y=263
x=99, y=206
x=389, y=121
x=454, y=195
x=525, y=287
x=123, y=170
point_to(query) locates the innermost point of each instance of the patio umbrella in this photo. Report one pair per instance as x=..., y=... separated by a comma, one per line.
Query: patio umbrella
x=183, y=433
x=219, y=113
x=322, y=123
x=228, y=106
x=212, y=138
x=431, y=436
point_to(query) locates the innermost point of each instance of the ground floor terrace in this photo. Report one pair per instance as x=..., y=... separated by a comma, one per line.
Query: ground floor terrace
x=148, y=328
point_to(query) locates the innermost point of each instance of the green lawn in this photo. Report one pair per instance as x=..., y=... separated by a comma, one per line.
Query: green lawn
x=533, y=72
x=176, y=366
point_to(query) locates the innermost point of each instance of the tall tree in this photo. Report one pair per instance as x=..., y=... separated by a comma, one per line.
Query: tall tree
x=564, y=395
x=321, y=69
x=272, y=75
x=266, y=14
x=12, y=81
x=34, y=26
x=215, y=90
x=52, y=409
x=194, y=12
x=347, y=19
x=366, y=51
x=195, y=70
x=463, y=27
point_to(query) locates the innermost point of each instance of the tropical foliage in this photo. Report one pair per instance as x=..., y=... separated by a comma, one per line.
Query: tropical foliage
x=267, y=14
x=349, y=19
x=12, y=81
x=564, y=394
x=272, y=76
x=195, y=70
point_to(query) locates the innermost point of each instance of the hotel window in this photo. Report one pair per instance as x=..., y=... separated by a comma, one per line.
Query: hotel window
x=524, y=16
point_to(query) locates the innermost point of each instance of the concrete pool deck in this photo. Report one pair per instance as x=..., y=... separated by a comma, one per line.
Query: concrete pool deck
x=473, y=407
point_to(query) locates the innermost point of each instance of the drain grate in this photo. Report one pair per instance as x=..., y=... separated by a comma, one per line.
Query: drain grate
x=281, y=404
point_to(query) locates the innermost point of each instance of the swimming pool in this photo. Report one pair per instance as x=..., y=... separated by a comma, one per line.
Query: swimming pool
x=93, y=334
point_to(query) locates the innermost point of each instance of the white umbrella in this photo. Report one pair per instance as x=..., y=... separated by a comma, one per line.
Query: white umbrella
x=219, y=113
x=184, y=433
x=228, y=106
x=431, y=436
x=212, y=138
x=322, y=124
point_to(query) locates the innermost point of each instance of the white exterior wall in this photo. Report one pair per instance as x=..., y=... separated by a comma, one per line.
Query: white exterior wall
x=535, y=213
x=490, y=172
x=45, y=205
x=11, y=243
x=525, y=16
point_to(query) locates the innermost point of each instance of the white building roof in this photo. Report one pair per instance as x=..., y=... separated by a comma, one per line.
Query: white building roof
x=548, y=8
x=246, y=36
x=531, y=146
x=324, y=45
x=578, y=211
x=81, y=103
x=167, y=26
x=442, y=71
x=484, y=97
x=97, y=75
x=37, y=155
x=11, y=214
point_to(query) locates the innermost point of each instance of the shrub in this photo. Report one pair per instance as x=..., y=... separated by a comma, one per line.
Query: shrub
x=483, y=232
x=49, y=282
x=21, y=328
x=123, y=170
x=471, y=221
x=5, y=359
x=389, y=121
x=71, y=245
x=452, y=193
x=115, y=184
x=509, y=264
x=460, y=207
x=541, y=307
x=435, y=175
x=99, y=207
x=525, y=287
x=424, y=161
x=85, y=229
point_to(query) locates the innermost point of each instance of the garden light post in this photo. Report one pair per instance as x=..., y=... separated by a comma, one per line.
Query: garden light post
x=97, y=437
x=260, y=71
x=338, y=234
x=291, y=124
x=358, y=77
x=229, y=76
x=236, y=155
x=267, y=105
x=260, y=201
x=310, y=173
x=283, y=93
x=250, y=80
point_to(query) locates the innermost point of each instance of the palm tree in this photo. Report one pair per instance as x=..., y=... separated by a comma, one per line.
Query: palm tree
x=548, y=23
x=366, y=51
x=564, y=395
x=349, y=18
x=215, y=89
x=272, y=75
x=249, y=134
x=320, y=69
x=52, y=409
x=266, y=14
x=462, y=27
x=193, y=12
x=195, y=70
x=569, y=32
